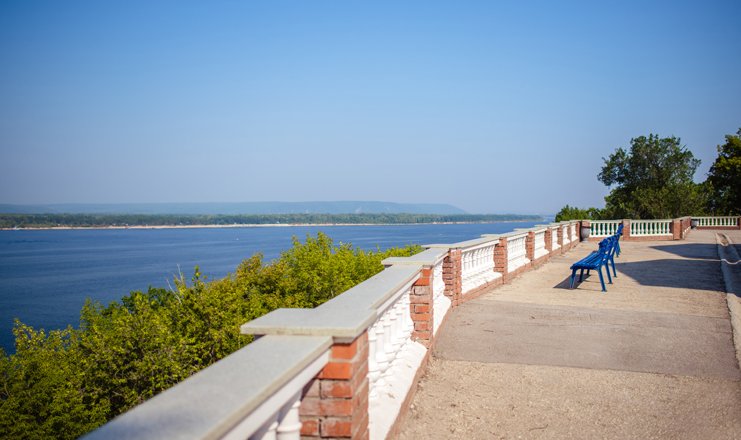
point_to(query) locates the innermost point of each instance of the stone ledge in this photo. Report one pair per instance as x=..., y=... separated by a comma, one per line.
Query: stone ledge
x=215, y=400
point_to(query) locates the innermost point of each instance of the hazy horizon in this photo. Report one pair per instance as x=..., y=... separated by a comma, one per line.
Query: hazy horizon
x=267, y=207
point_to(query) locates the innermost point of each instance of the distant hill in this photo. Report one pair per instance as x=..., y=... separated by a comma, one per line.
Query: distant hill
x=340, y=207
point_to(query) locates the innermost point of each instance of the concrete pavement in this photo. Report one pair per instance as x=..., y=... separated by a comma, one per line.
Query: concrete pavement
x=653, y=357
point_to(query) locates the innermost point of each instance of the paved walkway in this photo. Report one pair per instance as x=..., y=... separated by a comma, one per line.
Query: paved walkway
x=651, y=358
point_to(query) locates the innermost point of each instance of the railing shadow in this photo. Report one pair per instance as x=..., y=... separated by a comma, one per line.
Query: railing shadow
x=696, y=274
x=697, y=251
x=697, y=269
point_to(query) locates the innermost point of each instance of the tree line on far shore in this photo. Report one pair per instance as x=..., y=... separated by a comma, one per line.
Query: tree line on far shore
x=124, y=220
x=654, y=180
x=64, y=383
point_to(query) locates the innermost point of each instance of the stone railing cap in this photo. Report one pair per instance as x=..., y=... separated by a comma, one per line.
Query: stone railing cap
x=428, y=257
x=213, y=401
x=515, y=233
x=320, y=321
x=345, y=316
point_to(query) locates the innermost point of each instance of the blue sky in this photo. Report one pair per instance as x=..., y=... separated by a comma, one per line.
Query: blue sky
x=491, y=106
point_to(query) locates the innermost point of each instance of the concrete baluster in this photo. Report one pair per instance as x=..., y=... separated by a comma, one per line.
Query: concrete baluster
x=290, y=425
x=373, y=368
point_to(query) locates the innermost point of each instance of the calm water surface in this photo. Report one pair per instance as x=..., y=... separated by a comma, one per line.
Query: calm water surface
x=45, y=276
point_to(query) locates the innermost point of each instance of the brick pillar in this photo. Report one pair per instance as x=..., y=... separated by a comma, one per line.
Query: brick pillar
x=559, y=233
x=335, y=404
x=626, y=229
x=548, y=240
x=500, y=258
x=530, y=246
x=676, y=229
x=452, y=276
x=421, y=303
x=584, y=224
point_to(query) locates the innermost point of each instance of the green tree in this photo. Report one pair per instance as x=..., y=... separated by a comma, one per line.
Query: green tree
x=574, y=213
x=724, y=178
x=651, y=180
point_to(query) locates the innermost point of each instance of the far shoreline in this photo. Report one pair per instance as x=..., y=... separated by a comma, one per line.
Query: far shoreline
x=249, y=225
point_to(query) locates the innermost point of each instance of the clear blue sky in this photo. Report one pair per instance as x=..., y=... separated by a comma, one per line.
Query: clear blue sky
x=491, y=106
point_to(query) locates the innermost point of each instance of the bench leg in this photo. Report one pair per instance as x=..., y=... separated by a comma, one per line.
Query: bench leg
x=573, y=276
x=581, y=275
x=614, y=272
x=601, y=279
x=607, y=269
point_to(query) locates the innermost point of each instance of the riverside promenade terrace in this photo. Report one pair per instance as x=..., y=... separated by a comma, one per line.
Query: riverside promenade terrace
x=652, y=358
x=484, y=339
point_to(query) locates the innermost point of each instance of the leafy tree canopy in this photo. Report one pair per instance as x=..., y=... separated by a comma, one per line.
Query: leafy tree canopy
x=574, y=213
x=724, y=178
x=651, y=180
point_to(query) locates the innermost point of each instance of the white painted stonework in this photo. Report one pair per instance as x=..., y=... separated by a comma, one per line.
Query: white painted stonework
x=540, y=249
x=441, y=303
x=516, y=252
x=393, y=360
x=477, y=267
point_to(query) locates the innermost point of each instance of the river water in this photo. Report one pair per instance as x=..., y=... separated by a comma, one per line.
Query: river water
x=46, y=275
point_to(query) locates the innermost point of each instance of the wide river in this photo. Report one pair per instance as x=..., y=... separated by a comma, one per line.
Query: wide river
x=45, y=275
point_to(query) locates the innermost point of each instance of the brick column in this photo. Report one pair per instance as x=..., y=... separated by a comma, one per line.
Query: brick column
x=452, y=276
x=559, y=233
x=421, y=305
x=335, y=404
x=584, y=224
x=530, y=246
x=500, y=258
x=626, y=229
x=676, y=229
x=548, y=241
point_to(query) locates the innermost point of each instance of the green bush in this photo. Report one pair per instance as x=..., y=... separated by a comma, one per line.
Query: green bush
x=64, y=383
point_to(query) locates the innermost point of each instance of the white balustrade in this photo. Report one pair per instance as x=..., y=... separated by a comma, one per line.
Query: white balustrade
x=554, y=238
x=393, y=360
x=440, y=302
x=716, y=221
x=574, y=232
x=516, y=252
x=604, y=228
x=647, y=228
x=284, y=425
x=565, y=232
x=540, y=249
x=477, y=266
x=240, y=405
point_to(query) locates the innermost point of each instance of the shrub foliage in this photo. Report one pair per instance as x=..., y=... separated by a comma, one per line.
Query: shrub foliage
x=64, y=383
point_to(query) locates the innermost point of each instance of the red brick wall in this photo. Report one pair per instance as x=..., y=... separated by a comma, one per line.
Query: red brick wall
x=452, y=276
x=335, y=404
x=421, y=306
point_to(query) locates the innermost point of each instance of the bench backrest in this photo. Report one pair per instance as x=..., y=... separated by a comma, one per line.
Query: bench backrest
x=607, y=247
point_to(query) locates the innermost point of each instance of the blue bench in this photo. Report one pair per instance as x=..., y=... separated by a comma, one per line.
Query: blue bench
x=594, y=261
x=617, y=236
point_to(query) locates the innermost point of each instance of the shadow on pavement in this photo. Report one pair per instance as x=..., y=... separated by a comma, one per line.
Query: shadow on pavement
x=683, y=274
x=697, y=251
x=697, y=269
